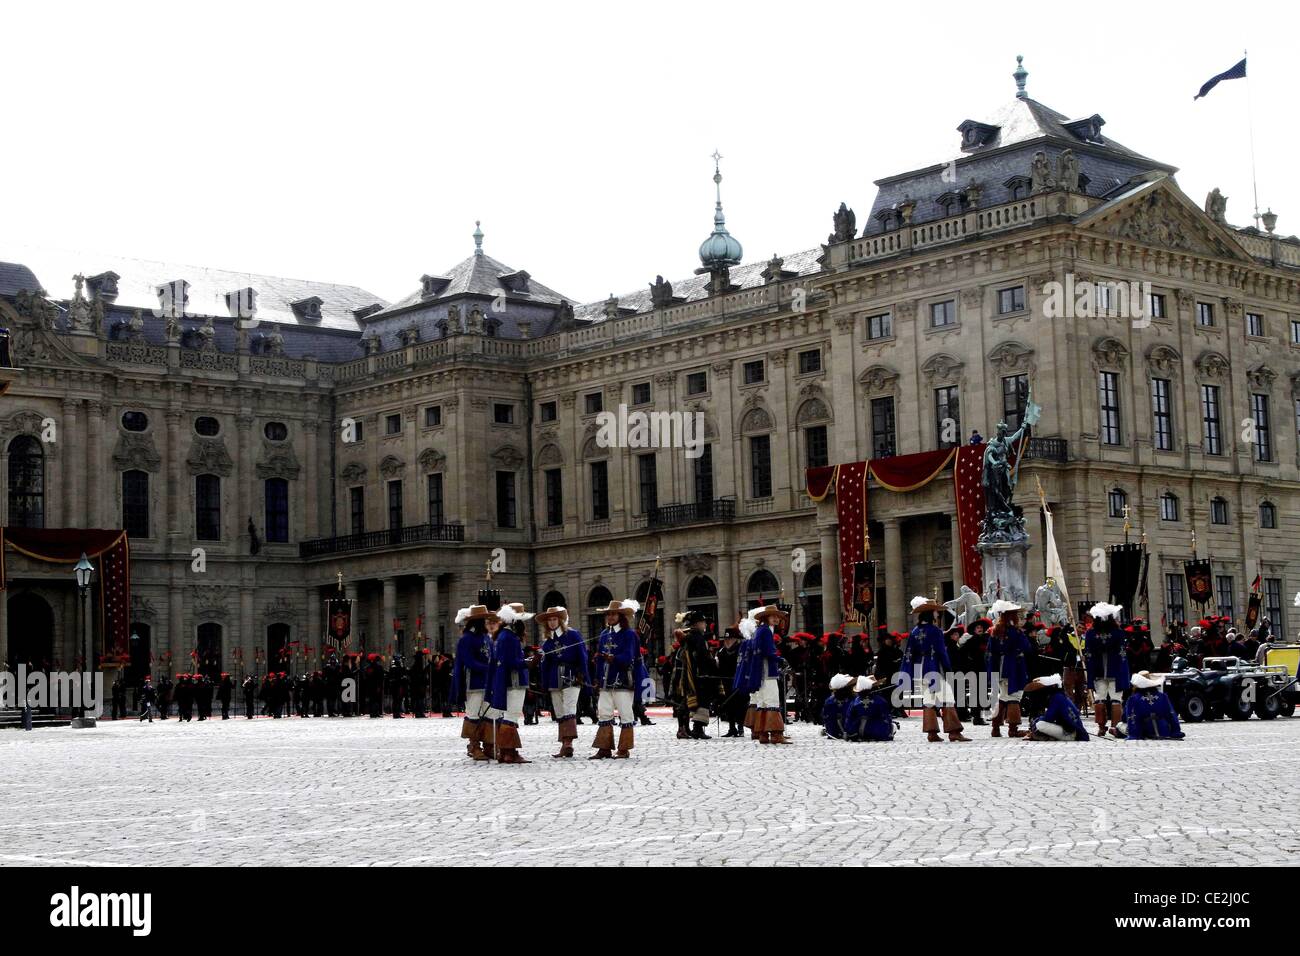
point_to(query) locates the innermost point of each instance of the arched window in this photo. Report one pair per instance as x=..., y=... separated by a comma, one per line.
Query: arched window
x=277, y=509
x=207, y=507
x=598, y=599
x=553, y=599
x=208, y=649
x=135, y=503
x=1169, y=506
x=763, y=588
x=1117, y=499
x=26, y=483
x=702, y=595
x=1267, y=515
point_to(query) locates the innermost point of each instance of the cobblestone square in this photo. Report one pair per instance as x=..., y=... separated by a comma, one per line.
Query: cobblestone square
x=402, y=793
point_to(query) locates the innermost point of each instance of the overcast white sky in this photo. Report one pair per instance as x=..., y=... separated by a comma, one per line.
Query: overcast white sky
x=358, y=142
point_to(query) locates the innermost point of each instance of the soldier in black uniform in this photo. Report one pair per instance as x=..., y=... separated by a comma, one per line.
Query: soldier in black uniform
x=165, y=689
x=203, y=695
x=225, y=690
x=119, y=698
x=333, y=682
x=250, y=695
x=316, y=693
x=733, y=705
x=694, y=679
x=148, y=697
x=372, y=686
x=397, y=685
x=184, y=697
x=419, y=681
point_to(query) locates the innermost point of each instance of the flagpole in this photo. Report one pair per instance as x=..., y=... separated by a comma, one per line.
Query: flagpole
x=1250, y=125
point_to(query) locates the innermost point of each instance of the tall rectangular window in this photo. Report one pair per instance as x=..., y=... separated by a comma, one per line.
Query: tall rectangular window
x=810, y=361
x=880, y=326
x=506, y=515
x=593, y=403
x=357, y=507
x=1162, y=415
x=760, y=466
x=1015, y=396
x=1204, y=314
x=1011, y=300
x=434, y=492
x=503, y=413
x=207, y=507
x=1213, y=428
x=648, y=481
x=135, y=504
x=277, y=509
x=943, y=313
x=1223, y=587
x=1174, y=610
x=1295, y=331
x=818, y=455
x=1108, y=395
x=947, y=416
x=883, y=438
x=1263, y=428
x=641, y=393
x=704, y=476
x=394, y=505
x=599, y=491
x=393, y=424
x=549, y=411
x=1273, y=607
x=554, y=498
x=1255, y=324
x=1156, y=305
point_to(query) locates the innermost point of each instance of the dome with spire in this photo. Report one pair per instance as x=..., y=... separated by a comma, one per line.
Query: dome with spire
x=720, y=250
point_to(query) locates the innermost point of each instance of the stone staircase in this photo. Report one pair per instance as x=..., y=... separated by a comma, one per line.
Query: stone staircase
x=11, y=718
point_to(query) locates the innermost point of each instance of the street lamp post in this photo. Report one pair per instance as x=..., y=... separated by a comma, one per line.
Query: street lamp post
x=85, y=571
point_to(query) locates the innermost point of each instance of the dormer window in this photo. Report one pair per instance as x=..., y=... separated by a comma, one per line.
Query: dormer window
x=975, y=135
x=951, y=203
x=308, y=308
x=1087, y=129
x=173, y=297
x=515, y=281
x=242, y=303
x=889, y=219
x=431, y=286
x=366, y=311
x=1018, y=187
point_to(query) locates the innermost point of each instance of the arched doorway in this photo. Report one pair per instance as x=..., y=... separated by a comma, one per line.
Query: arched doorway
x=31, y=631
x=141, y=662
x=656, y=638
x=763, y=588
x=208, y=649
x=598, y=598
x=278, y=652
x=553, y=599
x=702, y=595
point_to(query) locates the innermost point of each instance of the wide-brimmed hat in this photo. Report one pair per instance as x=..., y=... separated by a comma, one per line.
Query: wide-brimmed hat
x=865, y=682
x=1003, y=606
x=840, y=681
x=1038, y=683
x=920, y=604
x=558, y=614
x=1101, y=611
x=1145, y=680
x=520, y=613
x=768, y=610
x=475, y=612
x=625, y=608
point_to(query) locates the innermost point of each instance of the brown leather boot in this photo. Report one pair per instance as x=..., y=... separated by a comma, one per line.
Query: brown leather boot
x=568, y=734
x=604, y=743
x=952, y=726
x=996, y=722
x=1013, y=720
x=625, y=741
x=1099, y=712
x=930, y=724
x=779, y=738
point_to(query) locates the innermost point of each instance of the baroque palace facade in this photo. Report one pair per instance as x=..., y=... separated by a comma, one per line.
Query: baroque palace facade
x=258, y=436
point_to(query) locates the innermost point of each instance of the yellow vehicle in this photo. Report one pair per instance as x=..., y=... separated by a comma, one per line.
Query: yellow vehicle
x=1288, y=655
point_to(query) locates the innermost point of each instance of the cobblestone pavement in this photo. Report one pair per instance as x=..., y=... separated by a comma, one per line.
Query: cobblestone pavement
x=402, y=792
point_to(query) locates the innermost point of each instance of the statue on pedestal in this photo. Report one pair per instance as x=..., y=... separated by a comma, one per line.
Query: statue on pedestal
x=1050, y=604
x=1002, y=520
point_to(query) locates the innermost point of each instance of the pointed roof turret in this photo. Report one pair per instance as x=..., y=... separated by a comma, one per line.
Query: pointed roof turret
x=720, y=250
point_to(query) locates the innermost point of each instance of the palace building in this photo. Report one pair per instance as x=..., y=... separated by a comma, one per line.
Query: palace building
x=255, y=436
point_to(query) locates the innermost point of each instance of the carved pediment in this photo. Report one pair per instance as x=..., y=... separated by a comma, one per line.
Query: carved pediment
x=878, y=378
x=212, y=602
x=1211, y=364
x=278, y=461
x=391, y=466
x=279, y=610
x=811, y=411
x=754, y=416
x=549, y=456
x=353, y=471
x=1161, y=216
x=697, y=408
x=942, y=368
x=136, y=452
x=1108, y=352
x=507, y=457
x=1261, y=376
x=1011, y=357
x=1164, y=360
x=208, y=456
x=431, y=459
x=25, y=422
x=697, y=563
x=142, y=609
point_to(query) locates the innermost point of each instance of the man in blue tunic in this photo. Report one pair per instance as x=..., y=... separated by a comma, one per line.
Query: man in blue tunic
x=619, y=673
x=1104, y=652
x=564, y=671
x=870, y=715
x=469, y=679
x=769, y=713
x=507, y=682
x=1148, y=713
x=837, y=705
x=1007, y=667
x=927, y=651
x=1060, y=719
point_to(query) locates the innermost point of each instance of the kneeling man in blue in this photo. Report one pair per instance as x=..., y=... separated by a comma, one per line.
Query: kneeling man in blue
x=837, y=706
x=1060, y=719
x=870, y=715
x=1148, y=713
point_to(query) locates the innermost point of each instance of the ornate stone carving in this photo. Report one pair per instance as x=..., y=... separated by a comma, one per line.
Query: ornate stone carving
x=142, y=609
x=212, y=602
x=431, y=460
x=845, y=223
x=1156, y=220
x=208, y=456
x=972, y=298
x=549, y=456
x=392, y=466
x=721, y=369
x=878, y=378
x=661, y=293
x=508, y=457
x=942, y=369
x=1108, y=352
x=1261, y=377
x=1164, y=360
x=1212, y=365
x=1040, y=173
x=353, y=471
x=1067, y=171
x=778, y=358
x=25, y=422
x=1216, y=206
x=811, y=411
x=136, y=452
x=278, y=461
x=754, y=417
x=697, y=563
x=279, y=610
x=1011, y=357
x=905, y=309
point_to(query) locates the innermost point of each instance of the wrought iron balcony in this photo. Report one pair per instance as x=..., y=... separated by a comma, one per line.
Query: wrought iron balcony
x=670, y=516
x=1047, y=449
x=387, y=538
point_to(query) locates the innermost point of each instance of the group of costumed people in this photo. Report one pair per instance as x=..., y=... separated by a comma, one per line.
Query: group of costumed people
x=1133, y=704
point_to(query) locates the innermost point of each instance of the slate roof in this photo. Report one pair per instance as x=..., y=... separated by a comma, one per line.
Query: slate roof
x=15, y=278
x=477, y=275
x=139, y=278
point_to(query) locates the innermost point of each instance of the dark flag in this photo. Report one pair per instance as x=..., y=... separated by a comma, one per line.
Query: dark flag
x=648, y=612
x=1234, y=73
x=339, y=614
x=1125, y=570
x=1199, y=585
x=1252, y=609
x=864, y=588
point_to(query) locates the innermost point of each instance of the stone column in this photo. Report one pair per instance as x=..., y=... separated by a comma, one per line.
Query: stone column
x=94, y=438
x=385, y=636
x=832, y=612
x=244, y=479
x=67, y=444
x=895, y=600
x=176, y=621
x=673, y=599
x=726, y=479
x=177, y=489
x=247, y=637
x=313, y=495
x=957, y=576
x=315, y=632
x=432, y=613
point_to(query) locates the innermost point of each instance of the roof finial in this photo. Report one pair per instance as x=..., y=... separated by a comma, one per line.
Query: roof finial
x=478, y=239
x=1020, y=75
x=720, y=248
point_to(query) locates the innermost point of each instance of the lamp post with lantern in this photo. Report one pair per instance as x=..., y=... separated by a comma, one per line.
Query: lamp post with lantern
x=85, y=572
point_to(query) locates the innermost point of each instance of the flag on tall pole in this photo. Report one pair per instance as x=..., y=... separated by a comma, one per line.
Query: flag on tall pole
x=1055, y=570
x=1237, y=72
